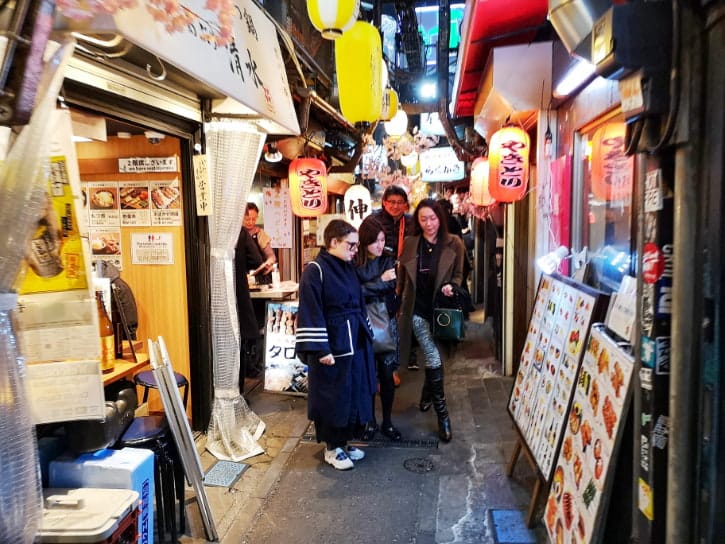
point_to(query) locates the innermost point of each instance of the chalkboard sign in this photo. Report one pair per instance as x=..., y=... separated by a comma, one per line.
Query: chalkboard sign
x=541, y=394
x=578, y=496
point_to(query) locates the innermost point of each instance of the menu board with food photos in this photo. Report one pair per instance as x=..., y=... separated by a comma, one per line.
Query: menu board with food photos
x=541, y=394
x=575, y=506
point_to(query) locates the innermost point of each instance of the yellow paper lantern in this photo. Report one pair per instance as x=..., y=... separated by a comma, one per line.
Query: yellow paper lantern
x=390, y=104
x=308, y=187
x=479, y=183
x=358, y=60
x=333, y=17
x=508, y=160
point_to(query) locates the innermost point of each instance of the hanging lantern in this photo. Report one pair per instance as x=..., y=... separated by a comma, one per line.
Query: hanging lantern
x=479, y=183
x=398, y=125
x=333, y=17
x=390, y=104
x=358, y=60
x=612, y=170
x=409, y=160
x=308, y=187
x=358, y=204
x=508, y=160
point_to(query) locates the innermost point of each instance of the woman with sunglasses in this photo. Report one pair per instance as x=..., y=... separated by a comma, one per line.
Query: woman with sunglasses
x=431, y=264
x=377, y=276
x=335, y=341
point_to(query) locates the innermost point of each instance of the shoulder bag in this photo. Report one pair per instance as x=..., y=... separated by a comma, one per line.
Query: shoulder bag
x=380, y=321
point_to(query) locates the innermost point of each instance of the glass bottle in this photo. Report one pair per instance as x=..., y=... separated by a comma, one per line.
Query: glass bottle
x=275, y=276
x=105, y=328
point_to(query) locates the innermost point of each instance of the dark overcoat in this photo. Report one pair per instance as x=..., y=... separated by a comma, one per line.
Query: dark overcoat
x=331, y=319
x=449, y=269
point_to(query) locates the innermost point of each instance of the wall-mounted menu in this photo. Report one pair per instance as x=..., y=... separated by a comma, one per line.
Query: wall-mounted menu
x=574, y=507
x=542, y=390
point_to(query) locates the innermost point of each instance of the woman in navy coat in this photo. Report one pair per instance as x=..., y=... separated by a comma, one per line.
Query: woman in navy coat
x=335, y=341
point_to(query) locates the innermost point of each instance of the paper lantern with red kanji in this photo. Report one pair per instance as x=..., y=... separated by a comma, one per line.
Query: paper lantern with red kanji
x=612, y=170
x=479, y=183
x=358, y=61
x=308, y=187
x=333, y=17
x=508, y=164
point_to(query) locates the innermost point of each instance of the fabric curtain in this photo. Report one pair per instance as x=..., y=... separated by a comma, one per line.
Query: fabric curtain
x=233, y=150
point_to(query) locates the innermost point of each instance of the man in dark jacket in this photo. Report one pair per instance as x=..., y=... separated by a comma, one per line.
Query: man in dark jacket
x=246, y=257
x=397, y=224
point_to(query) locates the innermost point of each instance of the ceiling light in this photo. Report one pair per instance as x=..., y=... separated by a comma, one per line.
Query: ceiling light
x=272, y=154
x=428, y=89
x=574, y=78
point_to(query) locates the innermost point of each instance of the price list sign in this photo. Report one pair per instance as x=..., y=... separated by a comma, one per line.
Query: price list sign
x=152, y=248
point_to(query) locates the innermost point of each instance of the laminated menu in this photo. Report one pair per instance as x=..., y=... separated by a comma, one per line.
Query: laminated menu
x=542, y=390
x=582, y=480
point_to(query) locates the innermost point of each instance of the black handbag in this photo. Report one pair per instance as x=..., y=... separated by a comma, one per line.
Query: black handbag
x=449, y=313
x=383, y=337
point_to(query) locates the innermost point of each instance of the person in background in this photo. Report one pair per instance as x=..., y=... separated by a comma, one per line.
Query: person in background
x=377, y=276
x=335, y=341
x=263, y=240
x=397, y=224
x=246, y=257
x=454, y=227
x=431, y=264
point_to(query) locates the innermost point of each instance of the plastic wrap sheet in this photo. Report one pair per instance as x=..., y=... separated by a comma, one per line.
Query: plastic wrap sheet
x=233, y=149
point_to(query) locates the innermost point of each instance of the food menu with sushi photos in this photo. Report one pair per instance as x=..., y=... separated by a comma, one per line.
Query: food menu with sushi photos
x=542, y=390
x=577, y=501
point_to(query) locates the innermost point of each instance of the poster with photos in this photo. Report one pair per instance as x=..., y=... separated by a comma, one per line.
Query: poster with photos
x=106, y=245
x=101, y=200
x=562, y=314
x=577, y=500
x=283, y=371
x=165, y=203
x=134, y=201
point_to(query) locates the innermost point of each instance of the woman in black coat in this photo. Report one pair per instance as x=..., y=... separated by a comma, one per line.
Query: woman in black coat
x=335, y=341
x=377, y=276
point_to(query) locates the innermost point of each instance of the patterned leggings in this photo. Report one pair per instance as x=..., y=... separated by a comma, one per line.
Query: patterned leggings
x=422, y=331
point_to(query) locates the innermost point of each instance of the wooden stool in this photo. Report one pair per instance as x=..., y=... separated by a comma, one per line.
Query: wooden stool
x=147, y=380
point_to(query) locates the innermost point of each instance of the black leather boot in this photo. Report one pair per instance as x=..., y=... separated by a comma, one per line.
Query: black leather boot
x=439, y=403
x=426, y=395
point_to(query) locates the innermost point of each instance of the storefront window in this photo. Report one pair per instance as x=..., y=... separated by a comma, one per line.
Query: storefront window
x=607, y=176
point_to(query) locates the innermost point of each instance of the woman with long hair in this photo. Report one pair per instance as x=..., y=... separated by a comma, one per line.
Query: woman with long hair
x=334, y=340
x=431, y=264
x=377, y=277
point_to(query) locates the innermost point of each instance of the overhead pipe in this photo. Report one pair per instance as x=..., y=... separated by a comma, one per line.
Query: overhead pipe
x=463, y=153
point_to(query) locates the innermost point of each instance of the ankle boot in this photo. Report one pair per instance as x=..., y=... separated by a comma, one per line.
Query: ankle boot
x=439, y=404
x=426, y=396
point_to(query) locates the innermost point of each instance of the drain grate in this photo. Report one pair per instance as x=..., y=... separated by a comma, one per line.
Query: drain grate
x=419, y=465
x=224, y=473
x=309, y=436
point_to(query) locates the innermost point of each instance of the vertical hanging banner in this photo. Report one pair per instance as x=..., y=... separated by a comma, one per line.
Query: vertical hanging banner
x=278, y=216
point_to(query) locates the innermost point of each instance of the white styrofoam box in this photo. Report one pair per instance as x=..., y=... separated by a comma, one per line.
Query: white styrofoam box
x=127, y=468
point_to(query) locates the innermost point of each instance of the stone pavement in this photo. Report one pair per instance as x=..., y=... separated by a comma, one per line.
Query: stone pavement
x=416, y=491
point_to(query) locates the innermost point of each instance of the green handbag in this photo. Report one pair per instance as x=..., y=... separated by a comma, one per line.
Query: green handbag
x=448, y=324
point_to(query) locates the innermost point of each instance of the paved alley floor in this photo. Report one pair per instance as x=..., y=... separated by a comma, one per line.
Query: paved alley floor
x=415, y=491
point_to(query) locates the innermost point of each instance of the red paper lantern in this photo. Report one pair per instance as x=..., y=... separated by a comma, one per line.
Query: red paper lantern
x=612, y=170
x=308, y=187
x=508, y=159
x=479, y=183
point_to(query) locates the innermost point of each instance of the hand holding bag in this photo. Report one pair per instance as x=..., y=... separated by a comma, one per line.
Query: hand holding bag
x=448, y=317
x=383, y=337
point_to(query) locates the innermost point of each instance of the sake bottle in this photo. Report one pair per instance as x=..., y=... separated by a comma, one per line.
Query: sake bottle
x=105, y=328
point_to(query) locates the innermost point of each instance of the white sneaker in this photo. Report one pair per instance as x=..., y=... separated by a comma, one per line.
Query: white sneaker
x=338, y=459
x=355, y=454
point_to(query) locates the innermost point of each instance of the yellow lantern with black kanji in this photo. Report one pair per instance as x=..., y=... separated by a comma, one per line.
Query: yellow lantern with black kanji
x=480, y=195
x=612, y=169
x=358, y=61
x=390, y=104
x=508, y=162
x=333, y=17
x=308, y=187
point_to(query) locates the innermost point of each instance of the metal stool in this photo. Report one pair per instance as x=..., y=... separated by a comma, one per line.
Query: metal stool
x=152, y=433
x=147, y=380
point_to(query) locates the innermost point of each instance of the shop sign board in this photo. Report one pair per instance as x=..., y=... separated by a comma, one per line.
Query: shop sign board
x=135, y=165
x=250, y=70
x=283, y=371
x=441, y=164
